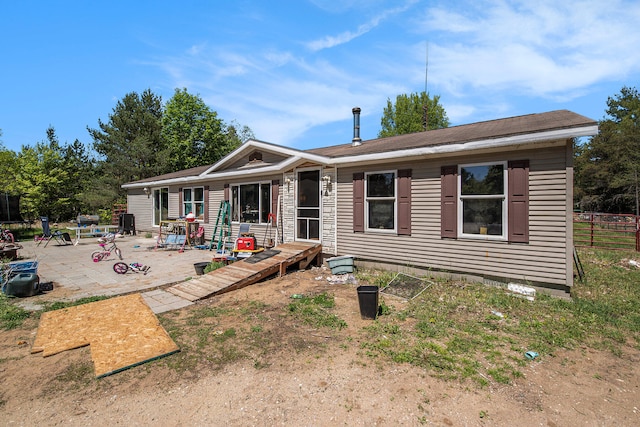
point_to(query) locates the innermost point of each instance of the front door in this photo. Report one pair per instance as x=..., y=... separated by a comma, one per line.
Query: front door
x=308, y=205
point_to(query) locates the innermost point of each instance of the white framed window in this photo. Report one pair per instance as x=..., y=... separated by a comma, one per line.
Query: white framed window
x=193, y=202
x=482, y=204
x=251, y=203
x=380, y=200
x=160, y=205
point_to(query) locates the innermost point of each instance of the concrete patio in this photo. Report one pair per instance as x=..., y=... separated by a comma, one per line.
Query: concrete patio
x=74, y=275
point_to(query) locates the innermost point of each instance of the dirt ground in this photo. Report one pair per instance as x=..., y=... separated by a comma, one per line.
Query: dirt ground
x=331, y=383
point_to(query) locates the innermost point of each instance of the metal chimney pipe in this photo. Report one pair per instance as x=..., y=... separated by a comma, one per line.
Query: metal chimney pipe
x=356, y=127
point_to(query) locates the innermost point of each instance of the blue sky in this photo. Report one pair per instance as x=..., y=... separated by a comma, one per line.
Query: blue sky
x=293, y=70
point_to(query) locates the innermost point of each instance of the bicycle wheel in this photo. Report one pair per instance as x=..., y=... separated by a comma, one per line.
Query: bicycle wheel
x=97, y=256
x=118, y=252
x=120, y=267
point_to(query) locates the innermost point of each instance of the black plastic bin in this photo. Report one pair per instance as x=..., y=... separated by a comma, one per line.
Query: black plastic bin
x=127, y=224
x=368, y=300
x=200, y=266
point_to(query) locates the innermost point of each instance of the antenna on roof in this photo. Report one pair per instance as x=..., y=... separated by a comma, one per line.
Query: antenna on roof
x=425, y=114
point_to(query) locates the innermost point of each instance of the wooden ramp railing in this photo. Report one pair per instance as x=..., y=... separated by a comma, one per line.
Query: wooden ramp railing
x=244, y=273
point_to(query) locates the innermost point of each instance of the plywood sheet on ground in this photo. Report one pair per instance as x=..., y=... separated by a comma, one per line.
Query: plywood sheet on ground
x=122, y=332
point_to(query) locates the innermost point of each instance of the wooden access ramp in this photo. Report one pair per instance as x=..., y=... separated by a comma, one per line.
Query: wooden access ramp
x=246, y=272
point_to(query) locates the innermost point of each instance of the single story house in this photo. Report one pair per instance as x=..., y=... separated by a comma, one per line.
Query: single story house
x=491, y=199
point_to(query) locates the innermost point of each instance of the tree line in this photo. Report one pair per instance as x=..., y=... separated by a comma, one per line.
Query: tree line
x=142, y=138
x=607, y=165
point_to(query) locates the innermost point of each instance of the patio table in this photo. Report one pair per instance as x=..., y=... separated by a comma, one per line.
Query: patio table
x=91, y=231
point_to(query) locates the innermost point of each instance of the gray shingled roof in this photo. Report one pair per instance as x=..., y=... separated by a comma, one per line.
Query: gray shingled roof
x=180, y=174
x=531, y=123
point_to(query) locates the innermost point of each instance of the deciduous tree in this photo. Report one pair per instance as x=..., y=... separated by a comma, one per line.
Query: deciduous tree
x=194, y=134
x=42, y=180
x=411, y=113
x=7, y=170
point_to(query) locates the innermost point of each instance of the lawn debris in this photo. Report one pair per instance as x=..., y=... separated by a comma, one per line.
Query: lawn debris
x=522, y=291
x=406, y=286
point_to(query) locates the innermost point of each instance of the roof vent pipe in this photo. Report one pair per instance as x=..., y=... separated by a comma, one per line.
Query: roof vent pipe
x=356, y=127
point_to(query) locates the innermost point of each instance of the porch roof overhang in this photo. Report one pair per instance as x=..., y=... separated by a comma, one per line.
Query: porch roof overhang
x=196, y=179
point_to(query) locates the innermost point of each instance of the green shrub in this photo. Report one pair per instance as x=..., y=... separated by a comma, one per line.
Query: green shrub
x=214, y=265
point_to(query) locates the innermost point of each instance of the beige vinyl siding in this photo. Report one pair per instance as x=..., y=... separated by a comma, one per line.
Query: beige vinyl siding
x=267, y=157
x=142, y=207
x=174, y=201
x=543, y=259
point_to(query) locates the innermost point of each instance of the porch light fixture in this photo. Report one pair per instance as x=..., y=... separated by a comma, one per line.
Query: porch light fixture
x=147, y=191
x=327, y=184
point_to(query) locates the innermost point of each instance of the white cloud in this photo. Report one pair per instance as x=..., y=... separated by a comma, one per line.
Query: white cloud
x=543, y=49
x=345, y=37
x=482, y=56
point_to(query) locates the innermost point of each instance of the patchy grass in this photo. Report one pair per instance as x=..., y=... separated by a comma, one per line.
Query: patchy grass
x=51, y=306
x=455, y=332
x=11, y=316
x=314, y=311
x=77, y=374
x=215, y=336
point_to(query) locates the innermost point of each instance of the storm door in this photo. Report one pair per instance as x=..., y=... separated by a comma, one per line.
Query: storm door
x=308, y=205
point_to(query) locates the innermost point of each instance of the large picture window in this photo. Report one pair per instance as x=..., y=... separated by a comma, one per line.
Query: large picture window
x=380, y=198
x=482, y=202
x=193, y=201
x=251, y=203
x=489, y=201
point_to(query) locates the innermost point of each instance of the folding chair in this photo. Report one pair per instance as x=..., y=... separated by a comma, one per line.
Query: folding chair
x=46, y=231
x=242, y=231
x=47, y=235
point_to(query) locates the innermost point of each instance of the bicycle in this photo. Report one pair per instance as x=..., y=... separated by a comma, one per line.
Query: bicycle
x=105, y=252
x=6, y=236
x=136, y=267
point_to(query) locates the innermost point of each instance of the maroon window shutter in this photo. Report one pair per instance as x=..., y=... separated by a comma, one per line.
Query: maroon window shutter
x=206, y=204
x=226, y=193
x=358, y=202
x=404, y=202
x=518, y=201
x=275, y=191
x=180, y=207
x=449, y=202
